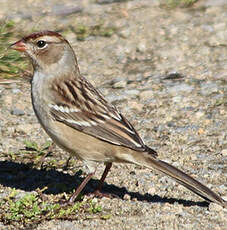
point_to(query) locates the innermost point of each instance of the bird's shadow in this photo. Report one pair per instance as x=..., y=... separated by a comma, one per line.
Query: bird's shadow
x=26, y=177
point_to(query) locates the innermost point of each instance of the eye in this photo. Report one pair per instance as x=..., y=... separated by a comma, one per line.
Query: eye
x=41, y=44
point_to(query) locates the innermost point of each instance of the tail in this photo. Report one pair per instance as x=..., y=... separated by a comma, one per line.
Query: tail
x=182, y=178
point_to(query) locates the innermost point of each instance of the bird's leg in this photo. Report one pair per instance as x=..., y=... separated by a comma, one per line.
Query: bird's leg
x=80, y=188
x=98, y=192
x=101, y=181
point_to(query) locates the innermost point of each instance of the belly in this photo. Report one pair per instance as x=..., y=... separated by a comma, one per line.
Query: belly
x=83, y=146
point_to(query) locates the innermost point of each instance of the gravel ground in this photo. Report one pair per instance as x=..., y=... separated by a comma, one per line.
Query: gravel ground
x=166, y=71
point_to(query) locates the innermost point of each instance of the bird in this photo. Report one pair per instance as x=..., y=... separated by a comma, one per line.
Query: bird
x=82, y=122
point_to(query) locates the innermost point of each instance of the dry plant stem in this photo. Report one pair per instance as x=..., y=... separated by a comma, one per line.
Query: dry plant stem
x=49, y=150
x=67, y=163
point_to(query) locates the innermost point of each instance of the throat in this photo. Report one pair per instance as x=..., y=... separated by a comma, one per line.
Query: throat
x=38, y=82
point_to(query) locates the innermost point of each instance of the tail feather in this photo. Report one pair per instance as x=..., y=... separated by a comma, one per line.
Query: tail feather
x=185, y=180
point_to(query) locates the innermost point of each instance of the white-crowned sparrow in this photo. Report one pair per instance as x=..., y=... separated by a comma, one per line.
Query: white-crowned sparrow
x=78, y=119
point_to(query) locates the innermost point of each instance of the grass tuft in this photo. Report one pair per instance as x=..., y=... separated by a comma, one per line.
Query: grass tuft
x=83, y=31
x=31, y=209
x=171, y=4
x=11, y=62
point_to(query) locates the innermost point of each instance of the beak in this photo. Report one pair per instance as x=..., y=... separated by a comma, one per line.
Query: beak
x=19, y=46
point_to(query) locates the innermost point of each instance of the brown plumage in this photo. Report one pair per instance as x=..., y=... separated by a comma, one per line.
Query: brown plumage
x=77, y=117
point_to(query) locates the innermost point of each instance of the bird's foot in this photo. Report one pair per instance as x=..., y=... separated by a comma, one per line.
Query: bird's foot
x=99, y=194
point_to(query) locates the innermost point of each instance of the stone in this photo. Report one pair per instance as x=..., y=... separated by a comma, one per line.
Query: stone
x=120, y=84
x=141, y=47
x=151, y=191
x=224, y=152
x=17, y=112
x=184, y=88
x=199, y=114
x=127, y=197
x=146, y=95
x=125, y=33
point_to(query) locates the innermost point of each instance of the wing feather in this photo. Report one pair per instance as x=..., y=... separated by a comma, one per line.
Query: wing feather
x=79, y=105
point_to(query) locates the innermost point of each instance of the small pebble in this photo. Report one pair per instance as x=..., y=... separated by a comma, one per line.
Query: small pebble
x=180, y=88
x=151, y=191
x=95, y=200
x=127, y=197
x=15, y=90
x=125, y=33
x=224, y=152
x=120, y=84
x=177, y=99
x=17, y=112
x=199, y=114
x=193, y=157
x=141, y=47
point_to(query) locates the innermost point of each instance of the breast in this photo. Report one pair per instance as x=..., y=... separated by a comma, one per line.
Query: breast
x=39, y=94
